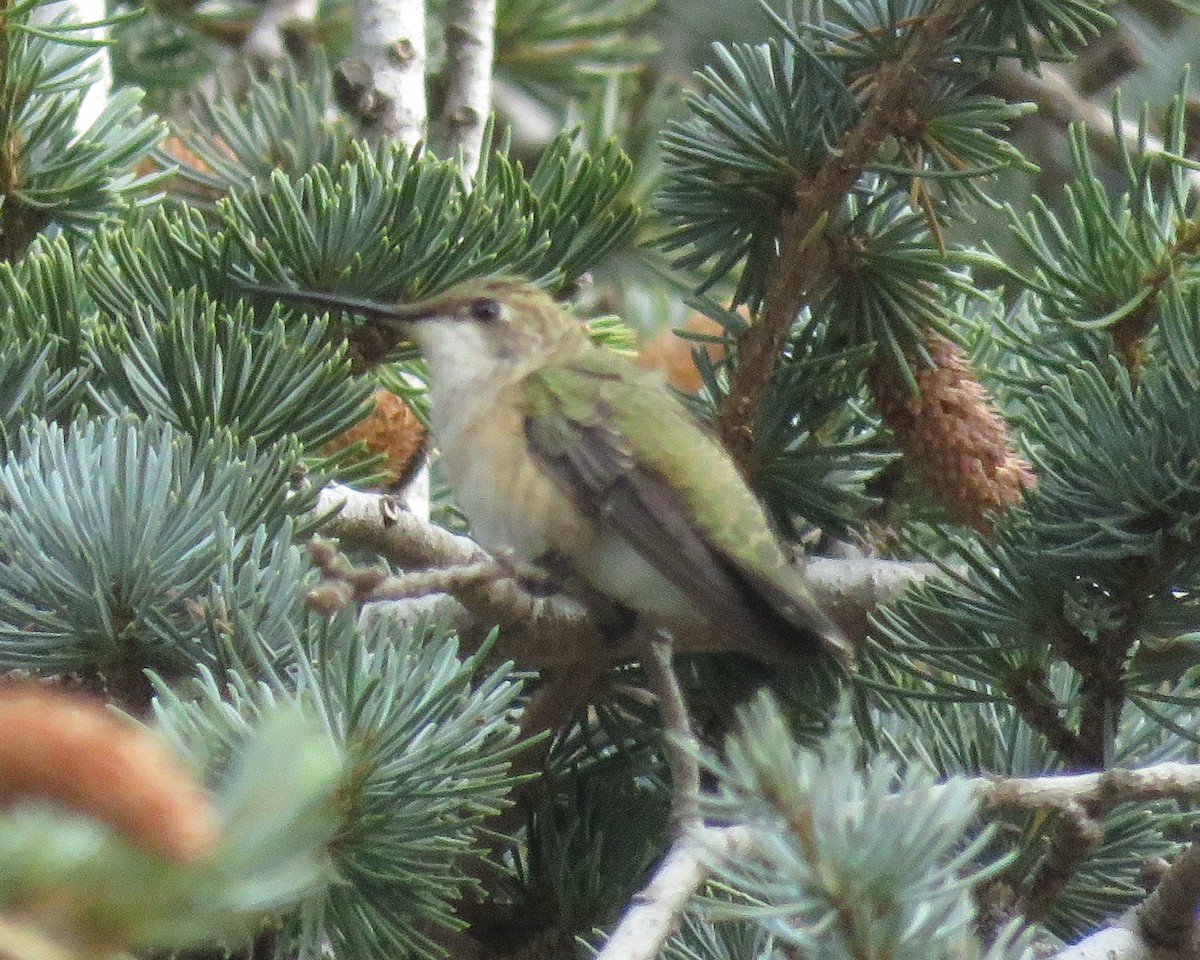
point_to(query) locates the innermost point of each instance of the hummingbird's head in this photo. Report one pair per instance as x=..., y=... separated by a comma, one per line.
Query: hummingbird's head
x=484, y=330
x=490, y=326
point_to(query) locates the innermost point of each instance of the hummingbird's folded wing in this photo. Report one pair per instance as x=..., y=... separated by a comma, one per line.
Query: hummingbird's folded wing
x=578, y=425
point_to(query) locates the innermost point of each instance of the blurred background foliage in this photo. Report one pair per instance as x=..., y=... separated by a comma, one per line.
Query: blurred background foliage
x=165, y=437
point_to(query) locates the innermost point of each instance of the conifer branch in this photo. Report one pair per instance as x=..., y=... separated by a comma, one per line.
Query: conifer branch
x=378, y=521
x=1074, y=838
x=1168, y=917
x=1164, y=926
x=799, y=261
x=1097, y=792
x=656, y=911
x=1102, y=689
x=1033, y=700
x=1120, y=141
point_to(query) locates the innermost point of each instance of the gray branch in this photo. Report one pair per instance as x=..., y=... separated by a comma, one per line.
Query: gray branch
x=682, y=748
x=1057, y=100
x=546, y=632
x=1168, y=917
x=655, y=912
x=1096, y=792
x=1164, y=926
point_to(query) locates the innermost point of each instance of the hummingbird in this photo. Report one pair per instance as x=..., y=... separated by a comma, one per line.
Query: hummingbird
x=568, y=456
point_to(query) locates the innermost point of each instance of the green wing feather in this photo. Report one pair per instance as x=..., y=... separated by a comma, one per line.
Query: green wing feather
x=611, y=434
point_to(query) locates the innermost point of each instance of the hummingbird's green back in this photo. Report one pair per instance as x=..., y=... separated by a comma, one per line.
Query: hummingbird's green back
x=622, y=444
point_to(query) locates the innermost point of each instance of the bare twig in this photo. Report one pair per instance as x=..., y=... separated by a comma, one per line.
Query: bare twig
x=378, y=521
x=470, y=36
x=655, y=912
x=681, y=747
x=1057, y=100
x=544, y=633
x=1097, y=792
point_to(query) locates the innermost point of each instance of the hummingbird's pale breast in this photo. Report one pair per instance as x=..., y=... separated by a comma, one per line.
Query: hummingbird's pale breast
x=612, y=567
x=511, y=503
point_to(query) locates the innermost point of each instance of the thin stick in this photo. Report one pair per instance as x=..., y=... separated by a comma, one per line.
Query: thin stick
x=655, y=912
x=680, y=744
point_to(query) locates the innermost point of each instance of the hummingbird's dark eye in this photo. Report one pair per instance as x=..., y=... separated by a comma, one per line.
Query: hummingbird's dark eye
x=485, y=309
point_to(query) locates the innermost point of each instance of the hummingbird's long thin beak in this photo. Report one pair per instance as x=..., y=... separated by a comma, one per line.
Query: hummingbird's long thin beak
x=389, y=315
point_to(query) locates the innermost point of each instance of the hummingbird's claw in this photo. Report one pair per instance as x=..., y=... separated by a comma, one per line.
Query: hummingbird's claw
x=536, y=579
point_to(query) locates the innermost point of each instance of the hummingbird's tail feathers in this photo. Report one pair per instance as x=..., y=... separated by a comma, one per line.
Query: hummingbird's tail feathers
x=798, y=620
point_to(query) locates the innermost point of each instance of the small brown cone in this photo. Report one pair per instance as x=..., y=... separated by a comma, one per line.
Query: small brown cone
x=70, y=750
x=391, y=429
x=185, y=158
x=951, y=433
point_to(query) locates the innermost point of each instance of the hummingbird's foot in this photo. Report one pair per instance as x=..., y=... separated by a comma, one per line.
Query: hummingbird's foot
x=551, y=574
x=537, y=579
x=616, y=622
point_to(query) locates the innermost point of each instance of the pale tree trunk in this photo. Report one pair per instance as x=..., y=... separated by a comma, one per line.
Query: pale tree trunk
x=265, y=40
x=470, y=42
x=389, y=39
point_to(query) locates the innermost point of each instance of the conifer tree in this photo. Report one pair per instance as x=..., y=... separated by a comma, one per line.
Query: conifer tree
x=262, y=695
